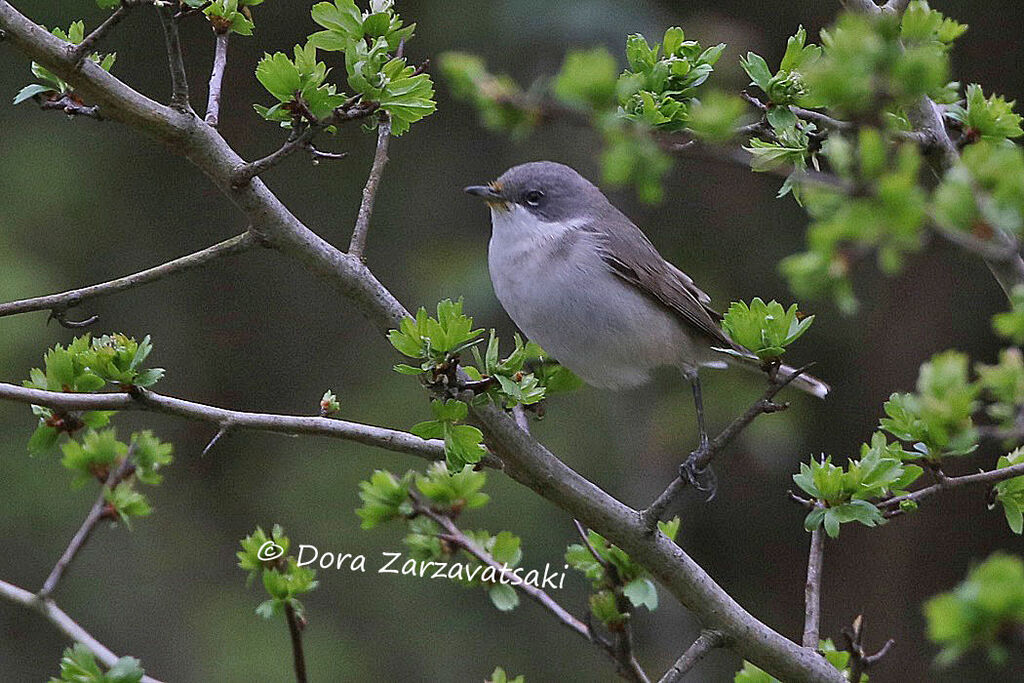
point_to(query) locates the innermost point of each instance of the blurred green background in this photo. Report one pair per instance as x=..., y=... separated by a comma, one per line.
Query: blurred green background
x=82, y=201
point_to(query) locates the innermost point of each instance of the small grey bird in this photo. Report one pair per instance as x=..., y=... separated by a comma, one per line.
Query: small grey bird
x=580, y=279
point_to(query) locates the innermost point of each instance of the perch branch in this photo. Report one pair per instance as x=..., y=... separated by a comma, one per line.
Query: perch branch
x=702, y=457
x=891, y=506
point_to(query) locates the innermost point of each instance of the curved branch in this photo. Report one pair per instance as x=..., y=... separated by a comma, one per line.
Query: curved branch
x=63, y=622
x=73, y=297
x=369, y=435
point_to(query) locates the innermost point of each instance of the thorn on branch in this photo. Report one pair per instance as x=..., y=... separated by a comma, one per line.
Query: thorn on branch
x=224, y=428
x=60, y=315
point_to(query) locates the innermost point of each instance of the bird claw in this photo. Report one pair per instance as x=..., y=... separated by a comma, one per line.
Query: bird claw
x=702, y=479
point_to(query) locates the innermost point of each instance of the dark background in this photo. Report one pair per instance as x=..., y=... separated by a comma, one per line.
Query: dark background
x=82, y=201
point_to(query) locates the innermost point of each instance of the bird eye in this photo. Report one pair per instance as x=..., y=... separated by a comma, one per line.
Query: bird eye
x=533, y=197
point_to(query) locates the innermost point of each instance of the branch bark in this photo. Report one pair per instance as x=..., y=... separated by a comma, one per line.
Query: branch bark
x=175, y=60
x=220, y=60
x=528, y=461
x=65, y=624
x=705, y=643
x=891, y=506
x=91, y=519
x=73, y=297
x=295, y=631
x=388, y=439
x=357, y=245
x=812, y=590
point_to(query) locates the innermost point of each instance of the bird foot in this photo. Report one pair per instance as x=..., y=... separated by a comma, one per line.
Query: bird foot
x=701, y=478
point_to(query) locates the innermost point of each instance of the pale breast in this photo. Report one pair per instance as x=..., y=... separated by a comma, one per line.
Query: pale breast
x=559, y=292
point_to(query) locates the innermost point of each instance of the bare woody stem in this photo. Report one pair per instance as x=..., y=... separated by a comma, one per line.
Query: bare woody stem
x=388, y=439
x=357, y=246
x=65, y=624
x=94, y=516
x=298, y=655
x=812, y=590
x=175, y=61
x=891, y=506
x=705, y=643
x=220, y=60
x=73, y=297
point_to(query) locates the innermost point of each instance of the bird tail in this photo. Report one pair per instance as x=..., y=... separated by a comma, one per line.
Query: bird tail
x=805, y=382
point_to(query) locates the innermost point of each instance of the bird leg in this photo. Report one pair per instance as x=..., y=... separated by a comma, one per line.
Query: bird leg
x=695, y=469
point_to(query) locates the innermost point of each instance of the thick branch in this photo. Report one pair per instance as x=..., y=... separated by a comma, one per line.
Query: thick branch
x=220, y=60
x=891, y=506
x=82, y=535
x=530, y=463
x=63, y=623
x=357, y=245
x=705, y=643
x=812, y=590
x=388, y=439
x=73, y=297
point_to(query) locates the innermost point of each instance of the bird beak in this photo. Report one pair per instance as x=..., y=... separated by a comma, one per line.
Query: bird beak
x=489, y=193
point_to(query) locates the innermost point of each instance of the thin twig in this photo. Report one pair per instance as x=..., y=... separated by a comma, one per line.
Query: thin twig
x=702, y=457
x=141, y=399
x=823, y=120
x=175, y=61
x=891, y=506
x=454, y=535
x=63, y=623
x=70, y=107
x=94, y=516
x=58, y=303
x=82, y=50
x=357, y=245
x=295, y=629
x=861, y=661
x=812, y=590
x=220, y=60
x=707, y=641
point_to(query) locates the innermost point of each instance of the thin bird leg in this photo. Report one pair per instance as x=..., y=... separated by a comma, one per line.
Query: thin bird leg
x=695, y=469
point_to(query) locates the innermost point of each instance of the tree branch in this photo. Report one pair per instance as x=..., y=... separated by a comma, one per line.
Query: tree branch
x=369, y=435
x=94, y=516
x=82, y=50
x=702, y=457
x=62, y=622
x=812, y=590
x=73, y=297
x=705, y=643
x=70, y=107
x=220, y=60
x=357, y=245
x=891, y=506
x=295, y=625
x=527, y=460
x=175, y=61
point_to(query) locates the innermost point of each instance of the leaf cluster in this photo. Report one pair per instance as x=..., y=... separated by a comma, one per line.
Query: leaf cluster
x=79, y=665
x=979, y=611
x=50, y=85
x=765, y=328
x=283, y=579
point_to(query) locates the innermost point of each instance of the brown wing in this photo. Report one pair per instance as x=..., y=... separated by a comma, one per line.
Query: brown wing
x=632, y=257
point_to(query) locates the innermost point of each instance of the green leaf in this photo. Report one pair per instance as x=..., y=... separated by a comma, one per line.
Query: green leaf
x=641, y=591
x=30, y=91
x=503, y=596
